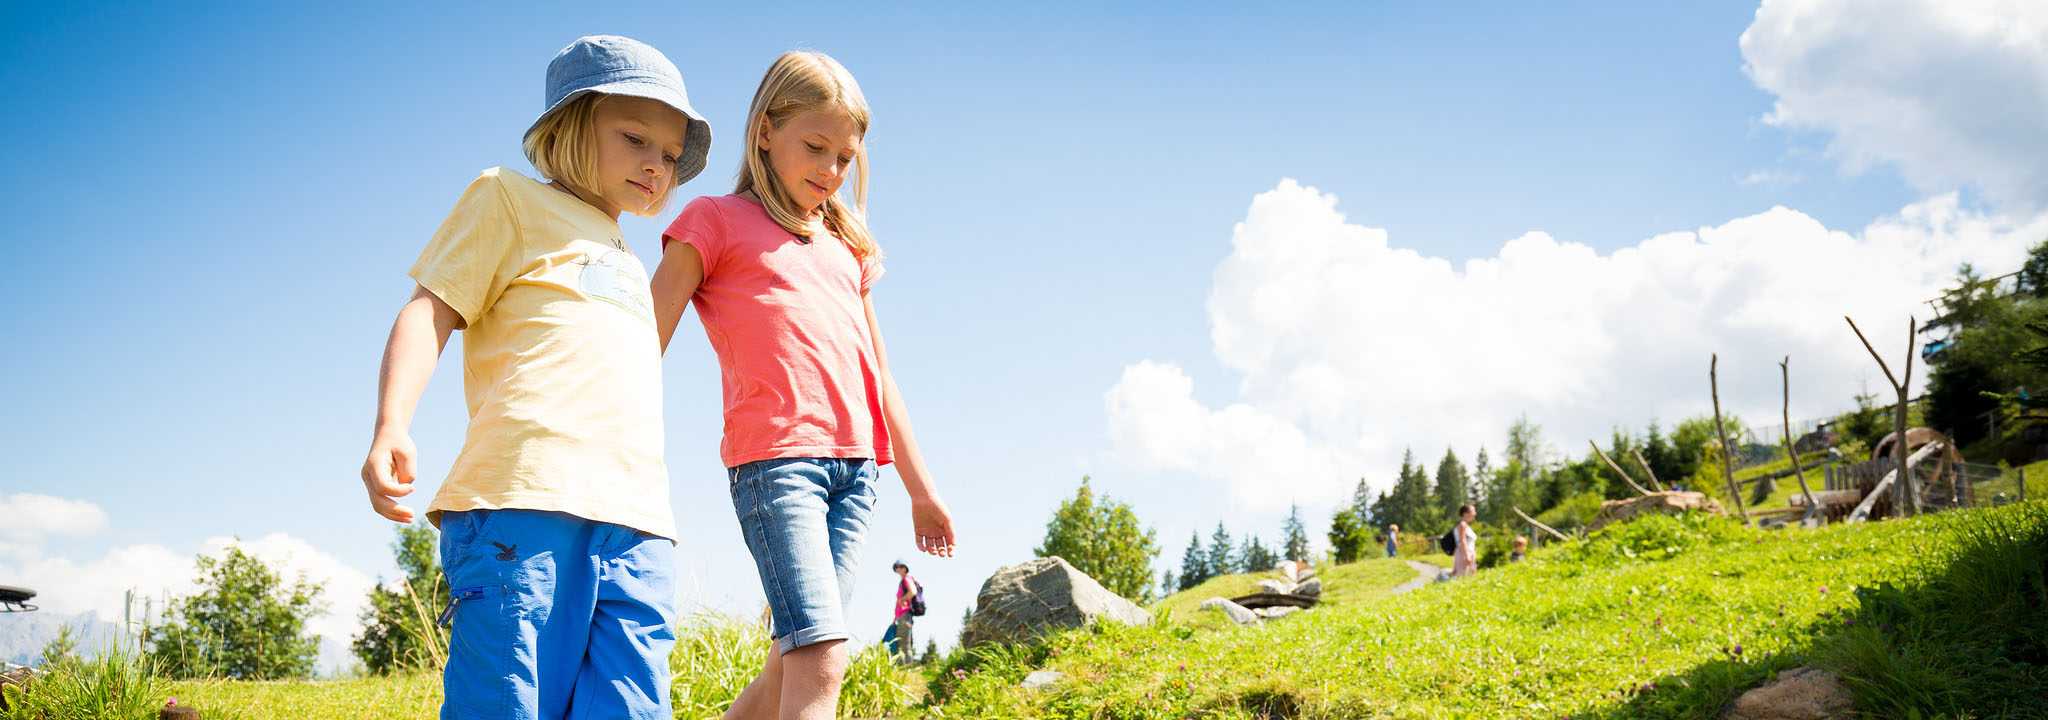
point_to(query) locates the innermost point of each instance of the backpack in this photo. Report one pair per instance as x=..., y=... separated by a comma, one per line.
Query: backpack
x=917, y=601
x=1449, y=542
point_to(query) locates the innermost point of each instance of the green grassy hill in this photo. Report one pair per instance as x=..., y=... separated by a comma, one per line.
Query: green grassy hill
x=1944, y=616
x=1343, y=585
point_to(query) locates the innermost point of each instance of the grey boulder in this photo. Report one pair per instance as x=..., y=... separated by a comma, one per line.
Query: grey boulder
x=1023, y=602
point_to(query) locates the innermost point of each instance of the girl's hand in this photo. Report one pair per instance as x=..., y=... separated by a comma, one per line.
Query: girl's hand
x=934, y=527
x=388, y=474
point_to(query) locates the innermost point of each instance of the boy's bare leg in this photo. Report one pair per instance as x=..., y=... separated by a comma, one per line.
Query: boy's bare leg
x=810, y=681
x=763, y=697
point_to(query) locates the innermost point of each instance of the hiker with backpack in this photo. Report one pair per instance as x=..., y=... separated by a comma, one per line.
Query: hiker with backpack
x=909, y=605
x=1465, y=550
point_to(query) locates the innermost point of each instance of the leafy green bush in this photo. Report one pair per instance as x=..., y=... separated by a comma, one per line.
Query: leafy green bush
x=245, y=623
x=1574, y=512
x=1655, y=536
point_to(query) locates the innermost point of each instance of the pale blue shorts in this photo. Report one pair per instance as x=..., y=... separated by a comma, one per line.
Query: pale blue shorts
x=805, y=520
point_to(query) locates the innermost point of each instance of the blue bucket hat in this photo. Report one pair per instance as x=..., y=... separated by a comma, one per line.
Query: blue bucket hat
x=624, y=66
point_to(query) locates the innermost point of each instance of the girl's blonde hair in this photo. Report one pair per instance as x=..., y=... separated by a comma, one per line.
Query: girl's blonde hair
x=800, y=82
x=563, y=148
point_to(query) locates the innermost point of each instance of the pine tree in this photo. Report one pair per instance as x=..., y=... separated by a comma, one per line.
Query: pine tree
x=1348, y=537
x=1412, y=506
x=1296, y=545
x=1168, y=583
x=1194, y=564
x=1482, y=469
x=1661, y=457
x=1362, y=501
x=1451, y=484
x=1256, y=557
x=1222, y=553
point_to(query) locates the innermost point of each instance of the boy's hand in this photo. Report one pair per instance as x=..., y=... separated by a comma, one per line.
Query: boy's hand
x=934, y=526
x=388, y=474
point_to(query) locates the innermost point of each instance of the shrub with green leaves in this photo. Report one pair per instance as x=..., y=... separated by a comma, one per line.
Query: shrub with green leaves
x=244, y=623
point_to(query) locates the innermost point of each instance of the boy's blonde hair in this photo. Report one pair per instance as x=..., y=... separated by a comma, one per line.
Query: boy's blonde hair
x=563, y=148
x=800, y=82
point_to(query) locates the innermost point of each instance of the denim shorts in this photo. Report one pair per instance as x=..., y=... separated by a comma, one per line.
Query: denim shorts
x=556, y=616
x=805, y=520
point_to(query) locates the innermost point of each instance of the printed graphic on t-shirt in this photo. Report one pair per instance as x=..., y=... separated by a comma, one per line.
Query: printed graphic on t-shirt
x=619, y=278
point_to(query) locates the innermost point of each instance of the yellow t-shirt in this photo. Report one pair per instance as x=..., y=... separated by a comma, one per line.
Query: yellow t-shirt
x=560, y=361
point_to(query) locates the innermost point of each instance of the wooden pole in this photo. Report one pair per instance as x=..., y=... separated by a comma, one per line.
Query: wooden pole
x=1647, y=472
x=1727, y=454
x=2023, y=483
x=1792, y=449
x=1532, y=521
x=1911, y=486
x=1616, y=468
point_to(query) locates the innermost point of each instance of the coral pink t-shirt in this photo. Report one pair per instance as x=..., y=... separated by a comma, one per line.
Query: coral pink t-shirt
x=789, y=322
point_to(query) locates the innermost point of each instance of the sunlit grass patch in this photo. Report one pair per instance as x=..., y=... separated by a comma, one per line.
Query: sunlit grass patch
x=1664, y=617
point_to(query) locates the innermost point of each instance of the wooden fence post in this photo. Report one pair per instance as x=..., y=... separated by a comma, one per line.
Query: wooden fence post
x=2023, y=483
x=1727, y=453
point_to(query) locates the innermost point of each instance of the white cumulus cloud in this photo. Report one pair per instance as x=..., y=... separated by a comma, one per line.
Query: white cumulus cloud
x=1951, y=92
x=1351, y=348
x=30, y=516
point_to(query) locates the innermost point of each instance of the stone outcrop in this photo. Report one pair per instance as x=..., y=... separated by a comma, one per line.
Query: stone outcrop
x=1237, y=613
x=1801, y=693
x=1669, y=503
x=1022, y=602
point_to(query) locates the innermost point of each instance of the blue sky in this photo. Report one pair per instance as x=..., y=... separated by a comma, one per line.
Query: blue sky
x=211, y=209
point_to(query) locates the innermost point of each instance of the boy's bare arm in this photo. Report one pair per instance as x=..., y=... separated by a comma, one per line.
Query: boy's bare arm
x=417, y=337
x=675, y=281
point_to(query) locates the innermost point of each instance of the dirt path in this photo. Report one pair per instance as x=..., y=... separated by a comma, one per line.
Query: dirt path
x=1425, y=574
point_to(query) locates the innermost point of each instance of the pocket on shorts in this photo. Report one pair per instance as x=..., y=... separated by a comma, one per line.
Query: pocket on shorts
x=478, y=680
x=466, y=531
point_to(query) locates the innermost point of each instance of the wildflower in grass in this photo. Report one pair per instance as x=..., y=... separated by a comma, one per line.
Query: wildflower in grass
x=173, y=702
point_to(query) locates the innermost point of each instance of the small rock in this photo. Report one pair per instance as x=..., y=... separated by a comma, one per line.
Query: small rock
x=1237, y=613
x=1276, y=612
x=1802, y=693
x=1312, y=588
x=1276, y=587
x=1305, y=573
x=1289, y=570
x=1041, y=678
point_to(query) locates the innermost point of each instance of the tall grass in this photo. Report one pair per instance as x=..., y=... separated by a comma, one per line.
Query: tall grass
x=717, y=655
x=115, y=684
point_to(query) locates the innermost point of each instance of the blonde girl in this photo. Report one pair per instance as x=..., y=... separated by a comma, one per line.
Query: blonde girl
x=779, y=272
